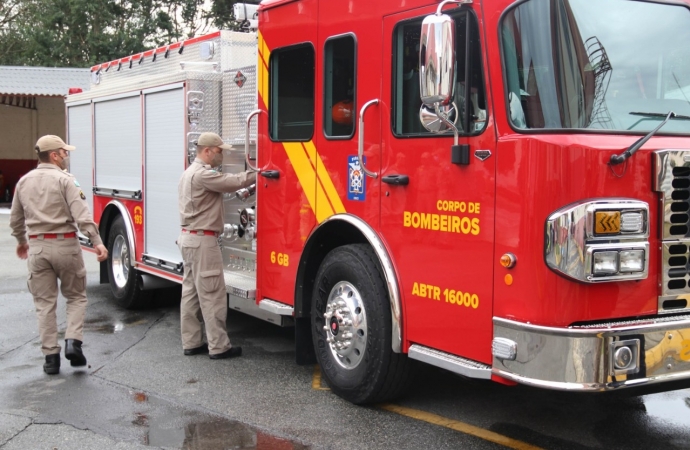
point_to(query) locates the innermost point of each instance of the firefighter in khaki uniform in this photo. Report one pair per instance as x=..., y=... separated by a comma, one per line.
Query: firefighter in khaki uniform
x=200, y=192
x=49, y=206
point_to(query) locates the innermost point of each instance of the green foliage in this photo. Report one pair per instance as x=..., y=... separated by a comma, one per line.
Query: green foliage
x=81, y=33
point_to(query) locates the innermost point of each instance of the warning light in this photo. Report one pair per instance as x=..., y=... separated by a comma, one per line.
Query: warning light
x=75, y=90
x=342, y=112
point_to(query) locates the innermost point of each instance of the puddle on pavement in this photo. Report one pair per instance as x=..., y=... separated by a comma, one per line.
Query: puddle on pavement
x=672, y=408
x=189, y=430
x=108, y=325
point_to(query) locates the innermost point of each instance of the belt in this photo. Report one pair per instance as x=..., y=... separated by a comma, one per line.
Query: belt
x=201, y=232
x=53, y=236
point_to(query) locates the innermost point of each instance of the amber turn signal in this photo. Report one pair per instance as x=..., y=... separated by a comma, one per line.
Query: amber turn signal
x=508, y=260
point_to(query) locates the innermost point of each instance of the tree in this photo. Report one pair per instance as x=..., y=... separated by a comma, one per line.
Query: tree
x=81, y=33
x=10, y=43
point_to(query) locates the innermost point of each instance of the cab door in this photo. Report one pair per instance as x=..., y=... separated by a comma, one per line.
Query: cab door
x=286, y=187
x=437, y=211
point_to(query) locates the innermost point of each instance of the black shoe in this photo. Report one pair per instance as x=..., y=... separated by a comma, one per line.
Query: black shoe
x=203, y=348
x=73, y=353
x=52, y=364
x=234, y=351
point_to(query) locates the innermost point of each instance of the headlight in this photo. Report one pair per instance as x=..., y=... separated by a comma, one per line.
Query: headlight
x=631, y=261
x=605, y=263
x=599, y=240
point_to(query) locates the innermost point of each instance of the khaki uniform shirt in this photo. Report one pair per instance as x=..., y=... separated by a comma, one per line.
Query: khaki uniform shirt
x=48, y=200
x=201, y=195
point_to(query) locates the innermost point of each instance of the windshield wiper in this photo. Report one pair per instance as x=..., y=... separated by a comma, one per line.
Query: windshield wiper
x=652, y=114
x=617, y=159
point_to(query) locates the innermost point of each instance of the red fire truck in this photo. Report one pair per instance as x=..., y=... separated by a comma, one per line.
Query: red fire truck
x=499, y=188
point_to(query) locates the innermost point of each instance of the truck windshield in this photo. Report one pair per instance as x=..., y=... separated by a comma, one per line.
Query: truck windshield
x=579, y=64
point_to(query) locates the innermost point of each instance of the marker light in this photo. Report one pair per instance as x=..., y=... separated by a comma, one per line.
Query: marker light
x=632, y=222
x=508, y=260
x=503, y=348
x=604, y=263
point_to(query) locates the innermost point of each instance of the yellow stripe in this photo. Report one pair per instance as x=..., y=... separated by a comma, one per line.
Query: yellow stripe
x=305, y=172
x=438, y=420
x=459, y=426
x=325, y=178
x=324, y=209
x=263, y=49
x=262, y=69
x=264, y=84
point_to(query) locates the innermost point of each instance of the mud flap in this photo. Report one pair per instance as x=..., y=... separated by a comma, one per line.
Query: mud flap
x=304, y=345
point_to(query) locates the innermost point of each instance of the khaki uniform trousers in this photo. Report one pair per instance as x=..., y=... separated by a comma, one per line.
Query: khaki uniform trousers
x=50, y=260
x=203, y=293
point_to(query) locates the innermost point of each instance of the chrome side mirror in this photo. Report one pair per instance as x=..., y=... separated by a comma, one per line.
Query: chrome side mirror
x=437, y=59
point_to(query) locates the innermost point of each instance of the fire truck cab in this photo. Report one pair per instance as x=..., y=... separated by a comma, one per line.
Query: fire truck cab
x=505, y=198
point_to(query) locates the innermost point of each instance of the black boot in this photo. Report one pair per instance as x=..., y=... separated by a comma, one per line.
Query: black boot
x=52, y=364
x=73, y=353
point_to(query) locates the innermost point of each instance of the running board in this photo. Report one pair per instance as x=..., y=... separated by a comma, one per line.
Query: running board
x=276, y=307
x=456, y=364
x=249, y=306
x=240, y=285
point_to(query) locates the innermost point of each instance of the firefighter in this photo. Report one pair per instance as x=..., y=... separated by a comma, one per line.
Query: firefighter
x=50, y=207
x=200, y=193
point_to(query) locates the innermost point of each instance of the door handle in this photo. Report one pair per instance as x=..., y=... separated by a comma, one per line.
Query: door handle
x=246, y=140
x=270, y=174
x=397, y=180
x=360, y=147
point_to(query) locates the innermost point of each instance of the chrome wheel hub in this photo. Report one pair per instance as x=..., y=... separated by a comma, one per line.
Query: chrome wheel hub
x=346, y=325
x=120, y=261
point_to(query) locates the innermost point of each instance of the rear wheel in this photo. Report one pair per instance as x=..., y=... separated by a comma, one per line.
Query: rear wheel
x=122, y=278
x=351, y=328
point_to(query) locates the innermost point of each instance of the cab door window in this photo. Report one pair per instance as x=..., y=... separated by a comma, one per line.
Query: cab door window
x=469, y=101
x=339, y=87
x=291, y=100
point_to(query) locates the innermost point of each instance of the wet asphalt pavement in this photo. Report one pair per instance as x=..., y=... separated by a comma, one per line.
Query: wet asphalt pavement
x=139, y=391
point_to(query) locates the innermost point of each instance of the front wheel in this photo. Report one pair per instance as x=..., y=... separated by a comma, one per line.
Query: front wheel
x=351, y=328
x=122, y=278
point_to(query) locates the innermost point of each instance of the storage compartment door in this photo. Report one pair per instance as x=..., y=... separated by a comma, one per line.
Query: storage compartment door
x=164, y=164
x=79, y=134
x=118, y=144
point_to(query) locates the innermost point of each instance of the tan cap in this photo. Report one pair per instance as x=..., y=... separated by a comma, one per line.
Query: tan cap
x=212, y=140
x=51, y=142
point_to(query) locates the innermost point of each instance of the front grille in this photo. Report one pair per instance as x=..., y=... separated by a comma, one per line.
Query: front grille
x=673, y=184
x=679, y=206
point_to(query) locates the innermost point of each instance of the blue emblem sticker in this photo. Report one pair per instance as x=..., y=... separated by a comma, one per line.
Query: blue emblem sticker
x=356, y=189
x=76, y=183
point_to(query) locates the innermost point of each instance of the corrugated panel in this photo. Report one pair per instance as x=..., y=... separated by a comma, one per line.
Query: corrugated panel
x=81, y=160
x=118, y=144
x=165, y=163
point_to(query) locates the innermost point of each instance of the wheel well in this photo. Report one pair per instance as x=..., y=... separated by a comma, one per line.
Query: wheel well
x=109, y=215
x=327, y=237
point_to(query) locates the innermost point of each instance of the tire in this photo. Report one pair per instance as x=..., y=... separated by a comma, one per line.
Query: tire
x=123, y=279
x=351, y=328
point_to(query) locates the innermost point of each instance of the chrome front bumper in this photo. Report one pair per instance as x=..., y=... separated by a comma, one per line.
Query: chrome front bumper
x=580, y=358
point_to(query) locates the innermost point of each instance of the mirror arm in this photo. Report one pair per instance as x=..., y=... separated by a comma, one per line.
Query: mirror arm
x=445, y=2
x=445, y=120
